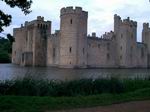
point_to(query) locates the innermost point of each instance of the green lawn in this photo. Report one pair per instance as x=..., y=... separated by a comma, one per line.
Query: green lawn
x=41, y=104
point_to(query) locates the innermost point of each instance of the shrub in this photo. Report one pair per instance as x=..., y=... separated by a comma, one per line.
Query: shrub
x=4, y=57
x=31, y=87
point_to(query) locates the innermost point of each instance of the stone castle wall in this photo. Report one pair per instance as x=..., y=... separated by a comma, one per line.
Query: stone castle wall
x=19, y=44
x=73, y=31
x=70, y=46
x=53, y=49
x=146, y=39
x=101, y=52
x=31, y=39
x=125, y=38
x=141, y=55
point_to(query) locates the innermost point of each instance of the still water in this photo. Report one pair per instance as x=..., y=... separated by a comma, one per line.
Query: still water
x=10, y=71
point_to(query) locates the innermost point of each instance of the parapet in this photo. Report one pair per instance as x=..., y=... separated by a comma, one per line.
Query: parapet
x=129, y=22
x=56, y=34
x=125, y=21
x=93, y=34
x=38, y=22
x=117, y=17
x=71, y=10
x=108, y=35
x=26, y=23
x=141, y=45
x=40, y=18
x=145, y=25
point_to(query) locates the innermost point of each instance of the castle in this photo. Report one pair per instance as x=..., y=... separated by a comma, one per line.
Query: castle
x=70, y=47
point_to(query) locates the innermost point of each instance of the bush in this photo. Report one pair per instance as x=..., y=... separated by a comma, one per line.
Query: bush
x=30, y=87
x=4, y=57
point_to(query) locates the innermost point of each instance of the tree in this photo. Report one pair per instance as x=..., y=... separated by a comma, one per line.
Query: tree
x=5, y=50
x=10, y=38
x=4, y=57
x=5, y=19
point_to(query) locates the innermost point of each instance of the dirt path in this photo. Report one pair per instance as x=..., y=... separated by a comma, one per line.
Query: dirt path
x=136, y=106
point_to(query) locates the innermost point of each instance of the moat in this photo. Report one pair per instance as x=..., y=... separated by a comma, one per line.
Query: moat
x=10, y=71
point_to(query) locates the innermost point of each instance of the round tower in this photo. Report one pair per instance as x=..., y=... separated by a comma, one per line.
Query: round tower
x=73, y=39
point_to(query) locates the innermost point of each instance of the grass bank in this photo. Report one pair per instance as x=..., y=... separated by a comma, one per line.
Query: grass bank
x=43, y=104
x=29, y=95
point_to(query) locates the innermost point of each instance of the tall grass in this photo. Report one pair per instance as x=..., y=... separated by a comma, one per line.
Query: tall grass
x=31, y=87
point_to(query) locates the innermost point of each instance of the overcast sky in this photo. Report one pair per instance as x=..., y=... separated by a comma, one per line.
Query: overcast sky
x=101, y=12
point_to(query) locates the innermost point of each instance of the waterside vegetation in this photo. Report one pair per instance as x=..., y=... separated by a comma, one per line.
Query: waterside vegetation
x=28, y=95
x=31, y=87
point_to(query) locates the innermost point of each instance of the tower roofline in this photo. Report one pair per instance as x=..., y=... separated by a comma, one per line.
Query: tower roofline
x=71, y=10
x=126, y=21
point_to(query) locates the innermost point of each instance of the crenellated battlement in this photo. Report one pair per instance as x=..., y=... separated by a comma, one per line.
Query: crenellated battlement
x=71, y=10
x=129, y=22
x=108, y=35
x=93, y=34
x=105, y=36
x=70, y=47
x=39, y=22
x=40, y=18
x=117, y=17
x=146, y=26
x=57, y=32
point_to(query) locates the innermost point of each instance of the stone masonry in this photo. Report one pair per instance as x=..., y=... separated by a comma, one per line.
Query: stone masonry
x=70, y=47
